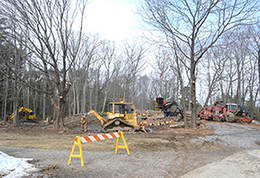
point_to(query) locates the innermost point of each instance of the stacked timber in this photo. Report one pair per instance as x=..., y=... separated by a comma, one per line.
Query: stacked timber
x=177, y=125
x=150, y=114
x=157, y=118
x=154, y=118
x=188, y=115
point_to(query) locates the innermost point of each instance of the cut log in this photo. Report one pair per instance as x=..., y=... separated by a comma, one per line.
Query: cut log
x=177, y=125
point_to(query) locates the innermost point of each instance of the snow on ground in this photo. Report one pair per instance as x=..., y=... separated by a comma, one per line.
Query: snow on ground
x=11, y=167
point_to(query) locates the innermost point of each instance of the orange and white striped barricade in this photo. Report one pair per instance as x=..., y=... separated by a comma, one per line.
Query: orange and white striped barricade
x=78, y=140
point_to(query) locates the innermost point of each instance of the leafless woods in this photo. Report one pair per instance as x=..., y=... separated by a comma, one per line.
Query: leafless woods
x=197, y=51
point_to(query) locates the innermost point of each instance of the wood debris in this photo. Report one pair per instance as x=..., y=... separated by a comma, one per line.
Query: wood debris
x=157, y=118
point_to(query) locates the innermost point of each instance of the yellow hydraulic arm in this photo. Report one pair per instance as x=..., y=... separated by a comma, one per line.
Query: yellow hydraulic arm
x=26, y=110
x=101, y=119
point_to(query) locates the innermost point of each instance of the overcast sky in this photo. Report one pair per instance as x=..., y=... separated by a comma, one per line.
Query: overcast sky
x=112, y=19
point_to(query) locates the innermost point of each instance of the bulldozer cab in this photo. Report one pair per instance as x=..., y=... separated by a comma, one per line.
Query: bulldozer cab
x=123, y=110
x=120, y=116
x=117, y=108
x=121, y=107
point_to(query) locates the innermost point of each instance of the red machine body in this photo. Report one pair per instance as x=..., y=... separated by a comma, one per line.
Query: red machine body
x=230, y=113
x=214, y=112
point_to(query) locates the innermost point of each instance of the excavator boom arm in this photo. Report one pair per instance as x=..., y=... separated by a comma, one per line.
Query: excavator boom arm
x=101, y=119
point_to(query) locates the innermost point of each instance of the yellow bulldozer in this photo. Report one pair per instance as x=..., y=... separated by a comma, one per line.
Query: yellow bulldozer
x=28, y=114
x=121, y=116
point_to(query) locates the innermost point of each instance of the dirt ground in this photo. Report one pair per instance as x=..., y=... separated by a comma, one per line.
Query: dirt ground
x=42, y=136
x=164, y=141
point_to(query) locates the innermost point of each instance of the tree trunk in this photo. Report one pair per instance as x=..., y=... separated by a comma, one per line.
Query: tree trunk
x=34, y=100
x=259, y=75
x=90, y=94
x=59, y=108
x=125, y=90
x=59, y=119
x=183, y=103
x=69, y=108
x=16, y=120
x=104, y=102
x=74, y=98
x=106, y=92
x=54, y=113
x=84, y=97
x=97, y=89
x=5, y=96
x=193, y=95
x=259, y=65
x=77, y=95
x=133, y=89
x=44, y=102
x=238, y=93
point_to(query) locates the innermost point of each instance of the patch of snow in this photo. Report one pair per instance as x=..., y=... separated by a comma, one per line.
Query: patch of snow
x=11, y=167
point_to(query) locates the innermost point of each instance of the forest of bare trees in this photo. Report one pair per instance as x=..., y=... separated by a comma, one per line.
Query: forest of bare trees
x=197, y=52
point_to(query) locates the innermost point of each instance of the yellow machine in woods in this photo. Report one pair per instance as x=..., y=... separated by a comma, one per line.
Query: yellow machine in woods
x=121, y=116
x=27, y=113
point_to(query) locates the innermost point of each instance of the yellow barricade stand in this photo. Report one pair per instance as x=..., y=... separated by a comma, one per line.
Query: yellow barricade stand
x=78, y=140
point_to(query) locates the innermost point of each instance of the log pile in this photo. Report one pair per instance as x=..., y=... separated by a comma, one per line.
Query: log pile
x=157, y=118
x=188, y=115
x=154, y=118
x=150, y=114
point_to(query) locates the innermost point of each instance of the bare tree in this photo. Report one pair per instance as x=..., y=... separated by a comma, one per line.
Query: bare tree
x=98, y=65
x=161, y=67
x=49, y=25
x=240, y=55
x=4, y=50
x=80, y=70
x=142, y=99
x=256, y=53
x=134, y=64
x=88, y=57
x=249, y=40
x=117, y=89
x=253, y=86
x=214, y=67
x=178, y=68
x=109, y=61
x=197, y=25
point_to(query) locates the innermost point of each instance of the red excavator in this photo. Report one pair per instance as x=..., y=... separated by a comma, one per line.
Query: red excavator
x=165, y=106
x=230, y=113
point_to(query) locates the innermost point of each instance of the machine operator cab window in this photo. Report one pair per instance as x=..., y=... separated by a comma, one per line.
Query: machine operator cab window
x=110, y=109
x=119, y=108
x=129, y=109
x=122, y=108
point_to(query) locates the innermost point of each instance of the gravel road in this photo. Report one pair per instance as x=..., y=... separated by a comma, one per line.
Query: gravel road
x=243, y=164
x=235, y=135
x=234, y=138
